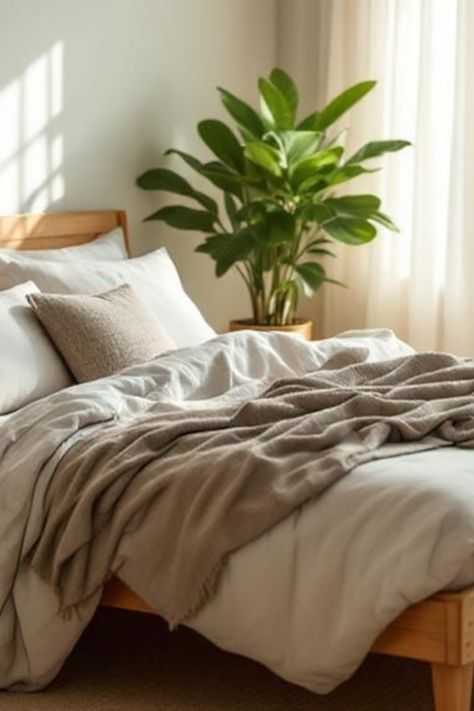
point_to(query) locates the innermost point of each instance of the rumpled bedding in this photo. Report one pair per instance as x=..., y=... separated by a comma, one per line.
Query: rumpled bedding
x=94, y=477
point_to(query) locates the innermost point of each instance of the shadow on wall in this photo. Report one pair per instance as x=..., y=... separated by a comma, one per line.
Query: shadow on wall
x=31, y=141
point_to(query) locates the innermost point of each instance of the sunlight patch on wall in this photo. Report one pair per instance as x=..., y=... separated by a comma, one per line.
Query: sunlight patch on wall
x=31, y=144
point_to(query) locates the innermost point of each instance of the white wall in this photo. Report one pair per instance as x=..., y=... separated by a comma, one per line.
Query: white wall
x=93, y=91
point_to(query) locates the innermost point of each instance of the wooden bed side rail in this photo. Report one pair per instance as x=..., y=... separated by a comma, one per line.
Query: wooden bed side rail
x=438, y=630
x=117, y=594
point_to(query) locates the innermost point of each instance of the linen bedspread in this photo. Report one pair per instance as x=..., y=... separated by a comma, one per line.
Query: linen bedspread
x=177, y=467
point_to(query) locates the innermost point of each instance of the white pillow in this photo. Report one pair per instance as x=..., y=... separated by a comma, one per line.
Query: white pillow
x=110, y=246
x=30, y=366
x=153, y=276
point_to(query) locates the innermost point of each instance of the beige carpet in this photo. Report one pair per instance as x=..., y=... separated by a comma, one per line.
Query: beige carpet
x=130, y=662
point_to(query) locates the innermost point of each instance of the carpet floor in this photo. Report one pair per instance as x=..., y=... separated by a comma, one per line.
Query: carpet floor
x=130, y=662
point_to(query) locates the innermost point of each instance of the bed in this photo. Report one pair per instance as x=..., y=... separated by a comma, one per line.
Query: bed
x=439, y=630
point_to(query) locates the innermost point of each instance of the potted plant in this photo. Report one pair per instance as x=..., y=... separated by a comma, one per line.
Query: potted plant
x=281, y=182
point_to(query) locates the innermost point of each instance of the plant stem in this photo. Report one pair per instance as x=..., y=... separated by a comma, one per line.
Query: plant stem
x=248, y=282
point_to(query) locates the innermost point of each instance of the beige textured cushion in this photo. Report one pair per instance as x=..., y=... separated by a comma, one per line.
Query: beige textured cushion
x=100, y=335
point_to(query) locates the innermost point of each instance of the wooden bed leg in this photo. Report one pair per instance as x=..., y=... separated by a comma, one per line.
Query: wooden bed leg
x=452, y=687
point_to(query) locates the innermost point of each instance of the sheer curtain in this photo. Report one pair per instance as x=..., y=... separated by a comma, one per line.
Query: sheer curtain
x=420, y=282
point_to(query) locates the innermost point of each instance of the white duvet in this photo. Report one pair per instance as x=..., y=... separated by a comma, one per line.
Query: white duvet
x=308, y=598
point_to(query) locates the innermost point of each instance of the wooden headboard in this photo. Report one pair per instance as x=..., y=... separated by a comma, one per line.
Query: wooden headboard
x=59, y=229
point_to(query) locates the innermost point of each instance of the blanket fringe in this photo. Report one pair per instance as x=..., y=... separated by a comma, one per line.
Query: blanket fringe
x=204, y=594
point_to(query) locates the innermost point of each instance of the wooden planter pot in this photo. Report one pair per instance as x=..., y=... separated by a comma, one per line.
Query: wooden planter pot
x=303, y=329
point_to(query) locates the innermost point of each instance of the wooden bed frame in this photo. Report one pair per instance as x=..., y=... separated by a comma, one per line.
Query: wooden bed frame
x=439, y=630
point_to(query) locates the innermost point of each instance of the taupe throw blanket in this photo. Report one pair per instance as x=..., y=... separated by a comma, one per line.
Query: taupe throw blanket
x=162, y=499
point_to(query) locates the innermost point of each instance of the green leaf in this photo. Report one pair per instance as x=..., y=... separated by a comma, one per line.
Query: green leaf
x=319, y=240
x=342, y=103
x=205, y=201
x=345, y=173
x=307, y=167
x=217, y=173
x=285, y=84
x=184, y=218
x=296, y=144
x=231, y=209
x=193, y=162
x=264, y=155
x=254, y=212
x=337, y=140
x=384, y=220
x=224, y=178
x=350, y=230
x=169, y=181
x=314, y=184
x=274, y=106
x=221, y=141
x=163, y=179
x=206, y=247
x=312, y=276
x=335, y=281
x=318, y=212
x=242, y=113
x=227, y=249
x=310, y=123
x=354, y=205
x=320, y=250
x=375, y=149
x=280, y=228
